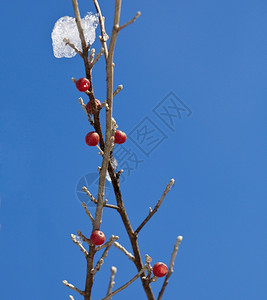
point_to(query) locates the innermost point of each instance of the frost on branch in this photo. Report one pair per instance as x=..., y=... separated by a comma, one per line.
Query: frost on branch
x=66, y=28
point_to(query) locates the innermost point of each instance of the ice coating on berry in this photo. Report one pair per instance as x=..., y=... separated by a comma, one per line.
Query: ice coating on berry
x=66, y=29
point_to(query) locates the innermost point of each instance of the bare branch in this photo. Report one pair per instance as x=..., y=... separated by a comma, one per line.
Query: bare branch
x=85, y=239
x=73, y=237
x=120, y=247
x=118, y=89
x=104, y=255
x=111, y=281
x=67, y=42
x=79, y=25
x=65, y=282
x=126, y=284
x=170, y=271
x=92, y=55
x=92, y=198
x=104, y=37
x=151, y=213
x=88, y=212
x=110, y=242
x=138, y=14
x=96, y=59
x=71, y=297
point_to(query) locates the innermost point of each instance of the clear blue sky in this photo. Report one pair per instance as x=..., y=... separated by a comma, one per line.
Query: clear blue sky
x=212, y=56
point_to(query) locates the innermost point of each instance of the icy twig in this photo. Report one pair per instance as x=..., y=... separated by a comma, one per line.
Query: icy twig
x=104, y=255
x=79, y=25
x=104, y=37
x=152, y=212
x=67, y=42
x=85, y=239
x=138, y=14
x=120, y=247
x=170, y=271
x=65, y=282
x=112, y=239
x=111, y=281
x=73, y=237
x=96, y=59
x=126, y=284
x=88, y=212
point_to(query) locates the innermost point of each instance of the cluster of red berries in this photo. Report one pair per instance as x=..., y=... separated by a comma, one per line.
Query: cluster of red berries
x=98, y=238
x=92, y=138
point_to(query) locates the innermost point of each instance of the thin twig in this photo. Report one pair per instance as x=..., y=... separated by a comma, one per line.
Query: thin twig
x=67, y=42
x=96, y=59
x=126, y=284
x=88, y=212
x=138, y=14
x=104, y=36
x=92, y=55
x=69, y=285
x=92, y=198
x=79, y=25
x=127, y=253
x=170, y=271
x=118, y=89
x=71, y=297
x=111, y=281
x=73, y=237
x=84, y=238
x=152, y=212
x=104, y=255
x=112, y=239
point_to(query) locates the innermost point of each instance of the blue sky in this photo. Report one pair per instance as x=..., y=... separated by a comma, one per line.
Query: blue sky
x=212, y=56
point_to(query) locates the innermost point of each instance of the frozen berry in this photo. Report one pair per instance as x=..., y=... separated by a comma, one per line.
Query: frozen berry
x=120, y=137
x=160, y=269
x=92, y=138
x=89, y=106
x=82, y=84
x=97, y=237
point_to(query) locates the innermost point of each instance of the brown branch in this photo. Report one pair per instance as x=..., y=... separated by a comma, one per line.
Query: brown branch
x=138, y=14
x=108, y=140
x=170, y=271
x=73, y=237
x=67, y=42
x=104, y=255
x=132, y=237
x=126, y=284
x=72, y=287
x=127, y=253
x=104, y=36
x=152, y=212
x=111, y=281
x=88, y=212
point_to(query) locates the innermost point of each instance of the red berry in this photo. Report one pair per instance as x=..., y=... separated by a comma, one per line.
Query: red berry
x=89, y=106
x=97, y=237
x=160, y=269
x=92, y=138
x=83, y=84
x=120, y=137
